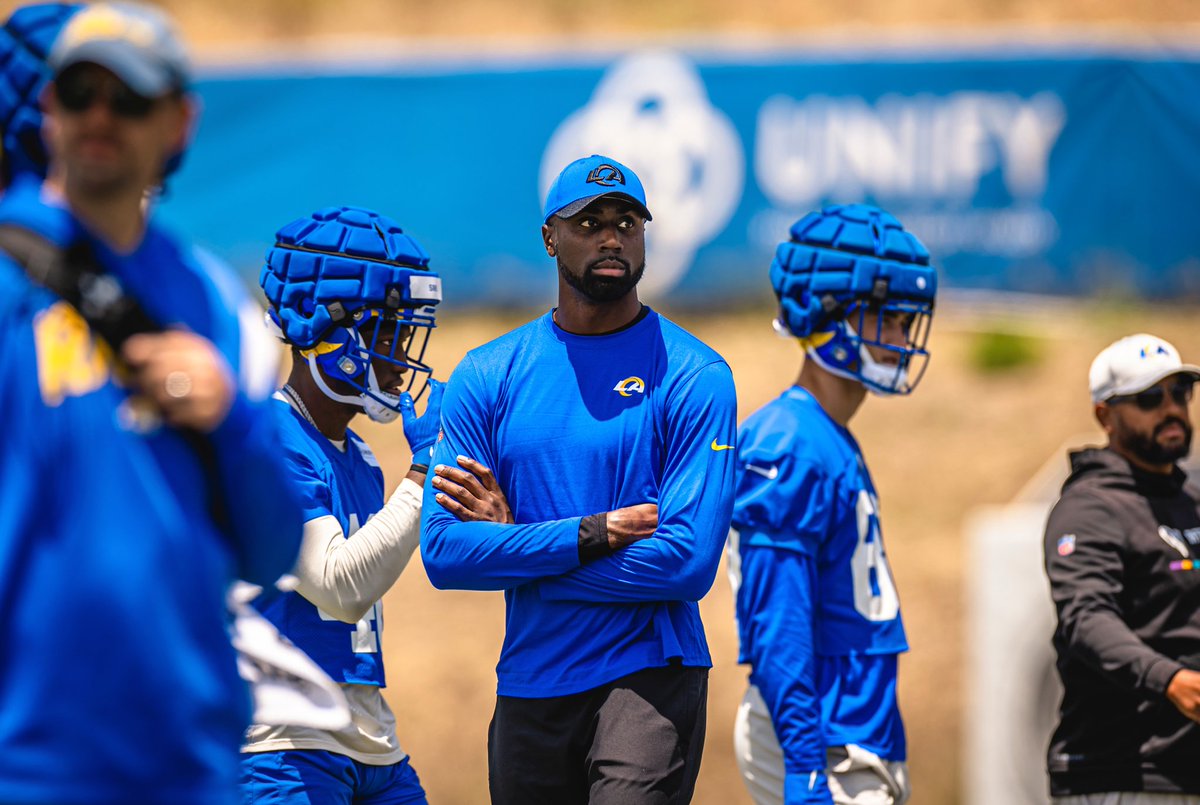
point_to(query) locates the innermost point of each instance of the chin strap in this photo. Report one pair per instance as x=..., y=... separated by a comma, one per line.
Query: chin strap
x=884, y=380
x=878, y=378
x=373, y=408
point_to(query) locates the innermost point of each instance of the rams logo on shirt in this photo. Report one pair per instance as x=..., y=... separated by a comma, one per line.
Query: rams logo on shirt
x=630, y=385
x=70, y=362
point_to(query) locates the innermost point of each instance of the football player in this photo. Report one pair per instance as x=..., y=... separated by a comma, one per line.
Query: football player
x=817, y=612
x=353, y=295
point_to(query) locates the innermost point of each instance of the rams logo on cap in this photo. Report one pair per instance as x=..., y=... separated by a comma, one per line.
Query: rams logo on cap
x=1147, y=351
x=629, y=386
x=606, y=175
x=107, y=22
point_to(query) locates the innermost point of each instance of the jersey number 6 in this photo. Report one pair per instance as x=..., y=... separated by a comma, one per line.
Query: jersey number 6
x=874, y=590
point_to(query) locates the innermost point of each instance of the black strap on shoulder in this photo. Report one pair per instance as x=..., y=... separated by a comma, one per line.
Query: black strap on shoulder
x=75, y=275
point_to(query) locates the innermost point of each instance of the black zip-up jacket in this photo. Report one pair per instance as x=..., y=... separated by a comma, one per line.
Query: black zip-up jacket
x=1118, y=549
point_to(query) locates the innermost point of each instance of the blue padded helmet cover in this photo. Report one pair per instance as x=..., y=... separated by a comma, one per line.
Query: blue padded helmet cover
x=339, y=261
x=838, y=256
x=25, y=41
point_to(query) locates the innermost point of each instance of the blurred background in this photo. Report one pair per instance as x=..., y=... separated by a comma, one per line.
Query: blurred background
x=1042, y=149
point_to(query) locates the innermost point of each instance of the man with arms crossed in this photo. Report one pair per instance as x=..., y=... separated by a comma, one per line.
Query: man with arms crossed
x=1121, y=553
x=586, y=414
x=817, y=612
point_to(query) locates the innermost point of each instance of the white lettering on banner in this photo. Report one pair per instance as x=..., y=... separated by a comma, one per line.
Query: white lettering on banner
x=924, y=157
x=652, y=112
x=920, y=147
x=1013, y=232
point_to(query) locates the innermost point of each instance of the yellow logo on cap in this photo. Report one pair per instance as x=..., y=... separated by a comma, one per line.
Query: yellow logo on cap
x=106, y=22
x=1153, y=348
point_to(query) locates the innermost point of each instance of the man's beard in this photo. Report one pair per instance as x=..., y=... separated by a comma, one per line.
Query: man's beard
x=1148, y=448
x=599, y=288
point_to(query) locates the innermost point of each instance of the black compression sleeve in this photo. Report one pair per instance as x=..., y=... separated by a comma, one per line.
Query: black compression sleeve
x=593, y=538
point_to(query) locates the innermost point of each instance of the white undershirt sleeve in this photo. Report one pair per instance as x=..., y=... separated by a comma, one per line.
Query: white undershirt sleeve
x=345, y=576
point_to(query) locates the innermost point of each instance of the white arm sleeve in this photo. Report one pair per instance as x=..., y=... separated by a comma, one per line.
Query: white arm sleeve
x=345, y=576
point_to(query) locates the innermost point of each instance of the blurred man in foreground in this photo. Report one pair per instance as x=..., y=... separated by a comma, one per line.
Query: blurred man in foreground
x=138, y=473
x=818, y=615
x=1121, y=553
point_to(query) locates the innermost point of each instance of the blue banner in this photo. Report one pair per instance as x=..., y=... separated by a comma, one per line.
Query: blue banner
x=1045, y=171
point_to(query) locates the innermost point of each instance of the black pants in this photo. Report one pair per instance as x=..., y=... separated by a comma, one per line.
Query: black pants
x=634, y=741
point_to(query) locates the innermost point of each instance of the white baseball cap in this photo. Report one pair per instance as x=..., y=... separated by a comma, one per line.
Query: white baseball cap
x=1133, y=364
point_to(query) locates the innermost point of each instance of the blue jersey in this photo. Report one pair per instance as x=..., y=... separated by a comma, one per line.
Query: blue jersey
x=817, y=611
x=117, y=679
x=349, y=487
x=578, y=425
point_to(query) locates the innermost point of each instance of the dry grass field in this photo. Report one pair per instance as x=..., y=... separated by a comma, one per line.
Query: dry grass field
x=239, y=27
x=506, y=24
x=967, y=437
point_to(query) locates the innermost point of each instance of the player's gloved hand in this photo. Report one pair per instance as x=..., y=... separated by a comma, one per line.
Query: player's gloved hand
x=422, y=431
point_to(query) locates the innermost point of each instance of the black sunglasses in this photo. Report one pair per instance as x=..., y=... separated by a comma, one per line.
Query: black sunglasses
x=77, y=91
x=1152, y=398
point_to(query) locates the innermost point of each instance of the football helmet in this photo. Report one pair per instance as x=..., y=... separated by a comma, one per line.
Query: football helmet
x=354, y=294
x=852, y=282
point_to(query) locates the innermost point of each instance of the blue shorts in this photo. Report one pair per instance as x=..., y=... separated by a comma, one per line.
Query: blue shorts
x=315, y=777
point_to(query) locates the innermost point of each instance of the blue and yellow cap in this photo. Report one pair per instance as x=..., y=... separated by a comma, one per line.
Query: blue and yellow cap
x=137, y=43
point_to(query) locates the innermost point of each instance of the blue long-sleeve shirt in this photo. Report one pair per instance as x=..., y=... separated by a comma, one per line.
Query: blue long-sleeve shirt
x=817, y=611
x=578, y=425
x=118, y=682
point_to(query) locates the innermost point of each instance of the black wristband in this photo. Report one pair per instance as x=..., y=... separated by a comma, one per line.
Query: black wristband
x=593, y=538
x=421, y=468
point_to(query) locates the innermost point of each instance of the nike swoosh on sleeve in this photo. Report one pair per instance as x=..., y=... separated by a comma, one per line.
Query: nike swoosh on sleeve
x=716, y=446
x=770, y=473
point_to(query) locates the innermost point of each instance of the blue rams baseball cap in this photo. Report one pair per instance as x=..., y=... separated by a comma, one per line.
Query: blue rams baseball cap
x=136, y=42
x=590, y=178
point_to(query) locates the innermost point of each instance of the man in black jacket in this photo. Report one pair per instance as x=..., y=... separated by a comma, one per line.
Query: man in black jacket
x=1122, y=551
